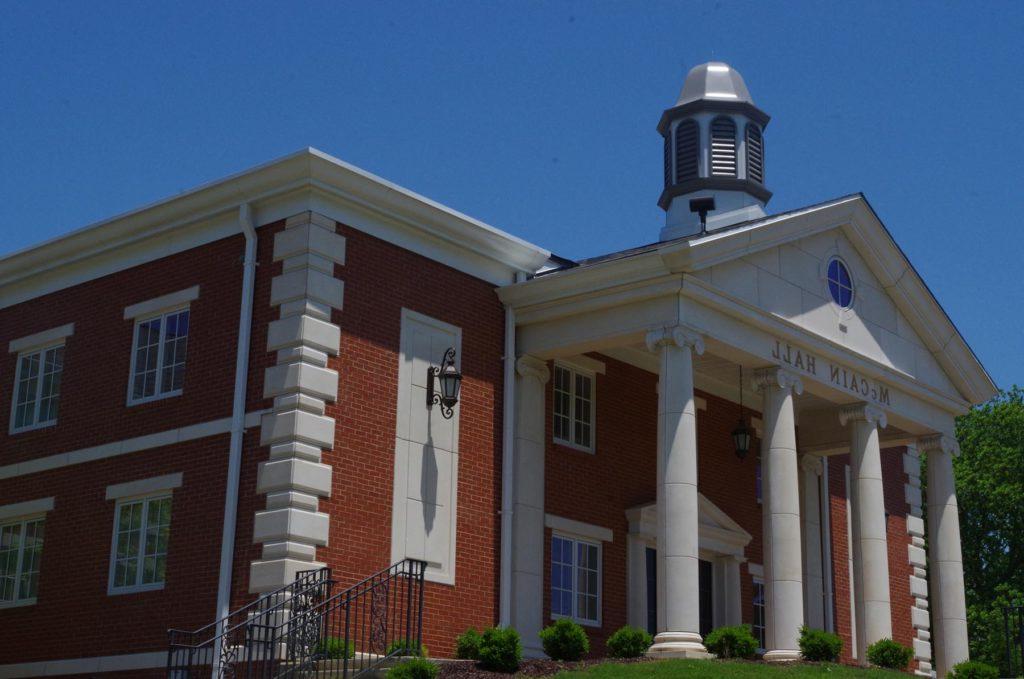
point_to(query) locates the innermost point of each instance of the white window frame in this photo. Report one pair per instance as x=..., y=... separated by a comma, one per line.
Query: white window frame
x=22, y=522
x=162, y=315
x=759, y=580
x=36, y=423
x=576, y=540
x=575, y=371
x=138, y=586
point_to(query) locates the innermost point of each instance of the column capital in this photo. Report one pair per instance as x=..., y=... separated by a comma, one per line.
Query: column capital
x=777, y=378
x=938, y=443
x=811, y=463
x=863, y=411
x=677, y=335
x=530, y=366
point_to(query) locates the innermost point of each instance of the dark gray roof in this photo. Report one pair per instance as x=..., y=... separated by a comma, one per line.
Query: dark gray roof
x=650, y=247
x=715, y=81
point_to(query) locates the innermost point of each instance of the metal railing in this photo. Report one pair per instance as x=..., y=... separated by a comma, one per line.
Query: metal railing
x=303, y=630
x=223, y=645
x=1013, y=628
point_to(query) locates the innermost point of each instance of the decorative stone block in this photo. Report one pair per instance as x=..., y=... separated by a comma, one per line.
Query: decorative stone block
x=297, y=425
x=310, y=239
x=912, y=494
x=265, y=576
x=919, y=618
x=294, y=331
x=922, y=650
x=916, y=556
x=290, y=523
x=295, y=474
x=307, y=284
x=915, y=526
x=919, y=587
x=292, y=378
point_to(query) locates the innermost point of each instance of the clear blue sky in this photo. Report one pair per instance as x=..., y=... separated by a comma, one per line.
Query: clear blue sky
x=538, y=118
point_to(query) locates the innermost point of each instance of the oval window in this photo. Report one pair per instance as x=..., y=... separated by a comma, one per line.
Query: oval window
x=840, y=284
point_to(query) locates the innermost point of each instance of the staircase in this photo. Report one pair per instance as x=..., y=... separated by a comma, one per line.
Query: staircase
x=305, y=630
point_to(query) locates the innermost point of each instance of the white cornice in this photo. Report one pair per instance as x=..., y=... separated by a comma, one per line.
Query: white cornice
x=208, y=213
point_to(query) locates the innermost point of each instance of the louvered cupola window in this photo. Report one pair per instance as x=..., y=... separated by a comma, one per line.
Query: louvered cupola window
x=723, y=147
x=668, y=161
x=687, y=150
x=755, y=154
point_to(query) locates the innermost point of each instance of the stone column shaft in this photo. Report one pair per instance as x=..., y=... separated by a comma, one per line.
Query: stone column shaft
x=945, y=562
x=867, y=508
x=784, y=606
x=678, y=586
x=814, y=581
x=527, y=600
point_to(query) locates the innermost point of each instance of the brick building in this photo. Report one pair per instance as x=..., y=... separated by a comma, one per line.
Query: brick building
x=217, y=392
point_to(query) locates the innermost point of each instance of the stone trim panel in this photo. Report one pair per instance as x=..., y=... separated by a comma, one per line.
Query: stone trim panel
x=916, y=556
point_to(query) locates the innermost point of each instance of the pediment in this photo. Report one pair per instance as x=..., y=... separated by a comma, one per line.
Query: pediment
x=779, y=266
x=717, y=530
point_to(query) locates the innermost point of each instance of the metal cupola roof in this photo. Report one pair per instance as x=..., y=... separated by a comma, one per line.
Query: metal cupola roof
x=714, y=81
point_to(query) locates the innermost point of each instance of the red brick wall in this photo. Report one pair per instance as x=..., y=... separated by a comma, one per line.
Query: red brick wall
x=899, y=568
x=622, y=474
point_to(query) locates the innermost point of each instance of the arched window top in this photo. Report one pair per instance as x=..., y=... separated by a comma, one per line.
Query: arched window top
x=755, y=153
x=687, y=150
x=723, y=147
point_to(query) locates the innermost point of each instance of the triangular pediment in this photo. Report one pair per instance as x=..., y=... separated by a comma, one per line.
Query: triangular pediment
x=717, y=530
x=779, y=265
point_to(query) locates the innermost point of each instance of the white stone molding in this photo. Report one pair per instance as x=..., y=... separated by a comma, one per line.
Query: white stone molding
x=919, y=616
x=163, y=303
x=873, y=607
x=141, y=487
x=20, y=510
x=783, y=548
x=777, y=378
x=945, y=560
x=527, y=597
x=677, y=498
x=301, y=384
x=41, y=339
x=578, y=528
x=863, y=412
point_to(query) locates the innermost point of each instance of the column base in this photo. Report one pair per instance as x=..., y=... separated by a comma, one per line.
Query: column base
x=678, y=645
x=782, y=656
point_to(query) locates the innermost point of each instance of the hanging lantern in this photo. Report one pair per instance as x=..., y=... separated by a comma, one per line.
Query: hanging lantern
x=449, y=379
x=742, y=434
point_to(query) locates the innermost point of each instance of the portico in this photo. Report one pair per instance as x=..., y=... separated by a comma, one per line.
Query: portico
x=693, y=312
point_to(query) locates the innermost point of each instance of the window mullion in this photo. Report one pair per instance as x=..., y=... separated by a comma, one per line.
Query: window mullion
x=572, y=416
x=20, y=560
x=142, y=543
x=159, y=382
x=575, y=578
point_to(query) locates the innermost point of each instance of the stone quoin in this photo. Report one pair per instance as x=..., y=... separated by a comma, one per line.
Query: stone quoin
x=214, y=393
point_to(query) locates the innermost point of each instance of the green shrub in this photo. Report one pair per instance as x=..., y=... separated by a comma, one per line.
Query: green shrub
x=564, y=640
x=404, y=646
x=819, y=646
x=414, y=668
x=334, y=648
x=467, y=645
x=731, y=642
x=500, y=650
x=973, y=670
x=887, y=653
x=629, y=642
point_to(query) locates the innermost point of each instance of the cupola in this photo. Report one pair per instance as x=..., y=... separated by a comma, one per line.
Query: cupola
x=714, y=148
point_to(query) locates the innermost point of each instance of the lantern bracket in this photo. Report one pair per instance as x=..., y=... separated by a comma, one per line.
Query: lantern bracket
x=447, y=374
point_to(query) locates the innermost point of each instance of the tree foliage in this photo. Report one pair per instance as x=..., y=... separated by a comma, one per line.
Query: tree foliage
x=990, y=494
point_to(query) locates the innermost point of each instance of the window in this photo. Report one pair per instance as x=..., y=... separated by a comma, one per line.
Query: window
x=575, y=580
x=758, y=626
x=840, y=284
x=141, y=531
x=37, y=388
x=21, y=549
x=158, y=360
x=574, y=408
x=723, y=147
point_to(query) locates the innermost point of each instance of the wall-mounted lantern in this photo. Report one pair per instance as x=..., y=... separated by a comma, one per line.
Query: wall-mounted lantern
x=742, y=434
x=449, y=380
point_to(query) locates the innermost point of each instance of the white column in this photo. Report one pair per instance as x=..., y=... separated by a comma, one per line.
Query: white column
x=945, y=563
x=678, y=590
x=784, y=606
x=867, y=514
x=814, y=581
x=732, y=590
x=527, y=600
x=636, y=573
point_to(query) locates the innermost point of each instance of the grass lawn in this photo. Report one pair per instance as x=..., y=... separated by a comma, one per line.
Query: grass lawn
x=712, y=669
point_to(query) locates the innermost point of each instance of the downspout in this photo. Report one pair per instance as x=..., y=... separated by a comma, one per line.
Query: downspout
x=508, y=430
x=227, y=545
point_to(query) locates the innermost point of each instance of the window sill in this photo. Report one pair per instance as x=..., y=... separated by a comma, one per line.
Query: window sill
x=584, y=623
x=17, y=603
x=135, y=589
x=32, y=427
x=151, y=399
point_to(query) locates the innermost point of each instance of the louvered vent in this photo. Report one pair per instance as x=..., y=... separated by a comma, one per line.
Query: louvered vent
x=723, y=147
x=755, y=154
x=687, y=150
x=668, y=161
